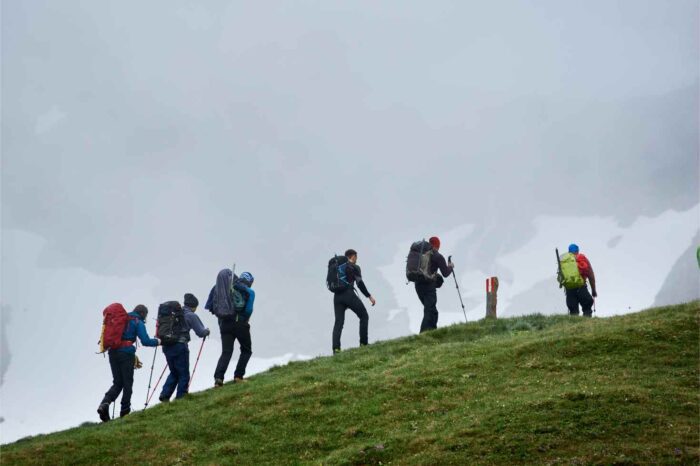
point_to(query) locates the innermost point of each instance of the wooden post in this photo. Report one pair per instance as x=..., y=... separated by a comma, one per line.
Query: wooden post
x=491, y=296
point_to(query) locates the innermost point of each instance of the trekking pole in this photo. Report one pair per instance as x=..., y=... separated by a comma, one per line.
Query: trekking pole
x=196, y=362
x=150, y=377
x=114, y=408
x=459, y=293
x=156, y=386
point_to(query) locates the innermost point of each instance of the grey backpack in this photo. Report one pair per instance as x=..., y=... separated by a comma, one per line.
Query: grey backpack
x=418, y=263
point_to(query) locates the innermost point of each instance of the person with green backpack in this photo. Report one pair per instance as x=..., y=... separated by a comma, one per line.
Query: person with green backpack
x=574, y=270
x=231, y=301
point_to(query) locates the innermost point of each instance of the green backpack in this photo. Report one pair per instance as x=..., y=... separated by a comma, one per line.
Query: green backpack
x=238, y=300
x=570, y=276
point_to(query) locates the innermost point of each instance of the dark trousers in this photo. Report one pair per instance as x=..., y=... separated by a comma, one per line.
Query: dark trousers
x=232, y=330
x=428, y=297
x=122, y=365
x=178, y=357
x=341, y=302
x=579, y=296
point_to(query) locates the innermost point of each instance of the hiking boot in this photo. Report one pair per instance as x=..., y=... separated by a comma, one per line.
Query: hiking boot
x=239, y=380
x=124, y=412
x=163, y=399
x=103, y=411
x=218, y=383
x=336, y=351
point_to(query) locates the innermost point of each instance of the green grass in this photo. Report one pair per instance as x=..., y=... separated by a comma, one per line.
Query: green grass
x=528, y=390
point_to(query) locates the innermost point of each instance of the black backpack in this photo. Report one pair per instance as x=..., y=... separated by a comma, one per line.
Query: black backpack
x=336, y=278
x=418, y=263
x=171, y=323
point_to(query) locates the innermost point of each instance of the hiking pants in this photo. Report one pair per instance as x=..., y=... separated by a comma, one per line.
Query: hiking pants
x=178, y=357
x=341, y=302
x=232, y=330
x=122, y=365
x=579, y=296
x=427, y=294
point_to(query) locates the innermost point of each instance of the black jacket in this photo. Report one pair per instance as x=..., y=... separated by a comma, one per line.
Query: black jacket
x=438, y=262
x=354, y=274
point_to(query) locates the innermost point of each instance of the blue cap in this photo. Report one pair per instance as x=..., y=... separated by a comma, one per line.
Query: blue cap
x=573, y=248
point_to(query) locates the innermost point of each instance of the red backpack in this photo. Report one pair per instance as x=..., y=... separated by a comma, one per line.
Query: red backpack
x=115, y=320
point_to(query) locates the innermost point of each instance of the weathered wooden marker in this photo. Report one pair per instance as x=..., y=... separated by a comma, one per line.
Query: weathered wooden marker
x=491, y=296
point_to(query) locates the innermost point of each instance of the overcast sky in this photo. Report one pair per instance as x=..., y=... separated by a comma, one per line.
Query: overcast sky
x=154, y=143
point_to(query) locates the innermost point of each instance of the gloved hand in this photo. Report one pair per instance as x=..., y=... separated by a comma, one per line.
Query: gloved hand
x=137, y=363
x=595, y=293
x=207, y=333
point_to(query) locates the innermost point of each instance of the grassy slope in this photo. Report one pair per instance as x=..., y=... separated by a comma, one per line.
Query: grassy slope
x=544, y=390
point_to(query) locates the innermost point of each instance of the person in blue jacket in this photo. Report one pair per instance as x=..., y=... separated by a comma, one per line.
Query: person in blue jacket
x=122, y=362
x=178, y=354
x=235, y=328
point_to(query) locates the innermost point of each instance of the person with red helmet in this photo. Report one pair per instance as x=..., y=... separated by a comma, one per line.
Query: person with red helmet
x=427, y=290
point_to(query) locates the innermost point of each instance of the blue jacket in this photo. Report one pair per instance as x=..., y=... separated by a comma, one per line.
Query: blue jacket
x=136, y=328
x=249, y=296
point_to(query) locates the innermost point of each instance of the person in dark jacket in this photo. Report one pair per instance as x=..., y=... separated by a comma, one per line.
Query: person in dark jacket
x=236, y=326
x=427, y=291
x=122, y=362
x=178, y=355
x=349, y=299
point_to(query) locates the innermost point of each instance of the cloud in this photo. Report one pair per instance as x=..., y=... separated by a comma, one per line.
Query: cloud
x=48, y=120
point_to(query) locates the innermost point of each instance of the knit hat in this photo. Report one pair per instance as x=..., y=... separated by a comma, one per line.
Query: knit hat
x=573, y=248
x=191, y=300
x=247, y=278
x=435, y=242
x=141, y=310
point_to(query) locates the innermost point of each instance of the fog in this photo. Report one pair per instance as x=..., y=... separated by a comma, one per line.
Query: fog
x=145, y=146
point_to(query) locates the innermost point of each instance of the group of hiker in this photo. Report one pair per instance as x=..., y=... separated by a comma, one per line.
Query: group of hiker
x=232, y=299
x=427, y=269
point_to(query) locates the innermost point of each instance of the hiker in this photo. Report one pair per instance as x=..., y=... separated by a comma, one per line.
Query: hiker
x=231, y=301
x=178, y=354
x=575, y=270
x=123, y=360
x=343, y=274
x=426, y=278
